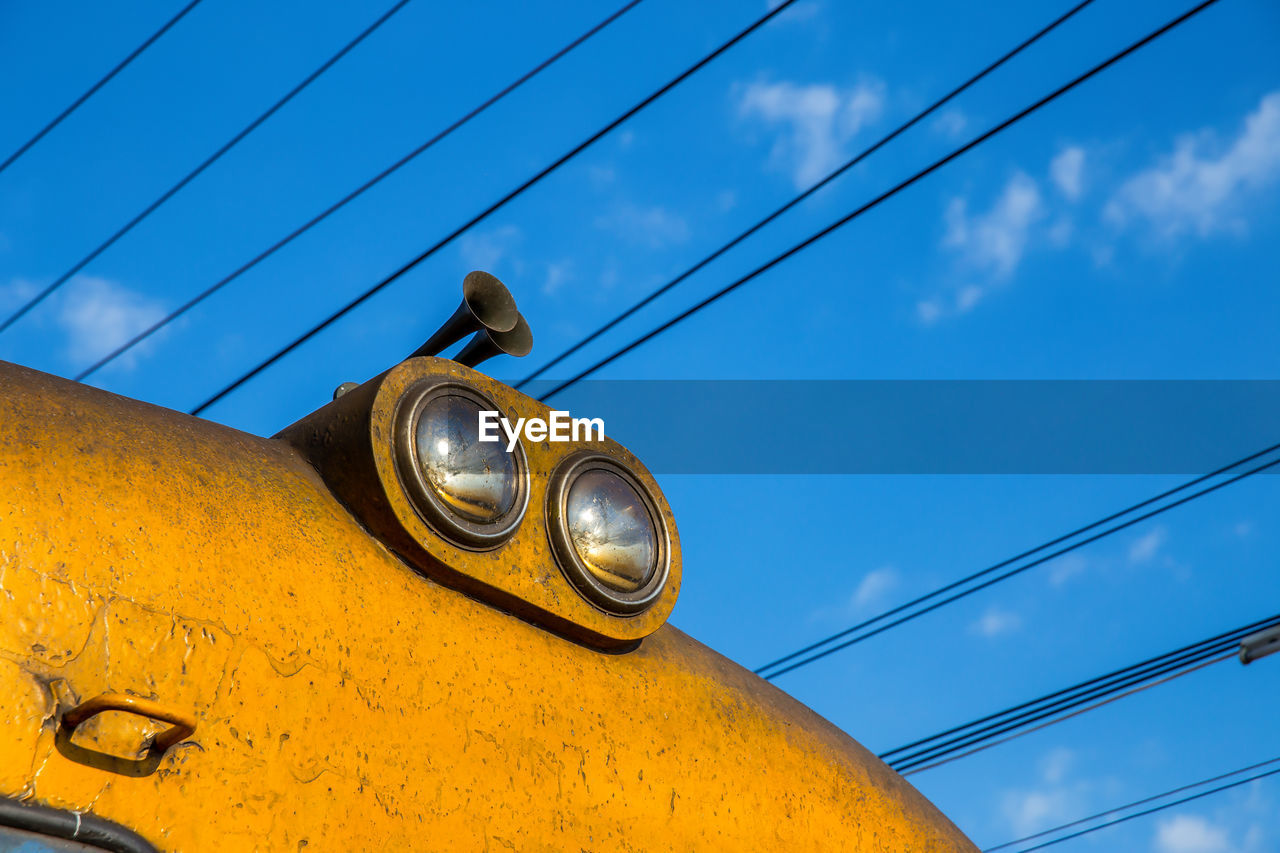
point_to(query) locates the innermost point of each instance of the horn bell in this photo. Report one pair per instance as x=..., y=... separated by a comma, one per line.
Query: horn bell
x=486, y=305
x=488, y=343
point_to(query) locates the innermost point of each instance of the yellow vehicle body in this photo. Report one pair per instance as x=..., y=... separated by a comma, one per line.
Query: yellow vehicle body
x=341, y=698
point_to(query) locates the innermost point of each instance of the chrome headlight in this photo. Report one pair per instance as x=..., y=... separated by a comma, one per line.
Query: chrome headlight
x=607, y=533
x=472, y=492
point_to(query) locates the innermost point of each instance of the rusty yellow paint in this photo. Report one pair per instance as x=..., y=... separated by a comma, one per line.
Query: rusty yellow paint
x=351, y=442
x=345, y=701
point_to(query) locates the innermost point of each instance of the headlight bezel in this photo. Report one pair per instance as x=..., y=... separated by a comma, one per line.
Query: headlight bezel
x=613, y=601
x=426, y=501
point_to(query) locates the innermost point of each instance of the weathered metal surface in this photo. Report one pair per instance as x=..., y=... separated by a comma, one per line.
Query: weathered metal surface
x=345, y=701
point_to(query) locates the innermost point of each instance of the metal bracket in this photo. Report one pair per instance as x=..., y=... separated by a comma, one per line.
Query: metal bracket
x=182, y=726
x=1260, y=645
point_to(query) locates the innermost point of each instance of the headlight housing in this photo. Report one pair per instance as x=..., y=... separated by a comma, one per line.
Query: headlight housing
x=474, y=493
x=607, y=534
x=447, y=510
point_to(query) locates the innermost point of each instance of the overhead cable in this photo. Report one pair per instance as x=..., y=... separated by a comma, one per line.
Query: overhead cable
x=190, y=176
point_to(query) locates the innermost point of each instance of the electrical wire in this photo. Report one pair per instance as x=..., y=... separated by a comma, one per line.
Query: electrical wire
x=194, y=173
x=349, y=197
x=1015, y=571
x=831, y=176
x=92, y=90
x=920, y=768
x=1150, y=811
x=1084, y=691
x=484, y=214
x=1011, y=560
x=889, y=193
x=1135, y=803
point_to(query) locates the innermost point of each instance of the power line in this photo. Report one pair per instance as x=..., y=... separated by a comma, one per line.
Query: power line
x=1146, y=812
x=351, y=196
x=194, y=173
x=1067, y=698
x=804, y=661
x=985, y=745
x=991, y=730
x=89, y=93
x=844, y=220
x=440, y=244
x=1011, y=560
x=831, y=176
x=1135, y=803
x=1018, y=570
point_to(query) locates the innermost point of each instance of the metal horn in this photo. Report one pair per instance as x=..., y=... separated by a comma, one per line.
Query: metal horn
x=487, y=305
x=488, y=343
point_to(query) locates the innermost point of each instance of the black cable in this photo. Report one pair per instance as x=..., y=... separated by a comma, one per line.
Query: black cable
x=369, y=293
x=1042, y=547
x=831, y=176
x=194, y=173
x=89, y=93
x=1228, y=637
x=1014, y=721
x=1059, y=708
x=1039, y=561
x=844, y=220
x=87, y=829
x=1143, y=801
x=1160, y=808
x=342, y=202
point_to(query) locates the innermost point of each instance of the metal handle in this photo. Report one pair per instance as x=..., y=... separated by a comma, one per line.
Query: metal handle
x=182, y=726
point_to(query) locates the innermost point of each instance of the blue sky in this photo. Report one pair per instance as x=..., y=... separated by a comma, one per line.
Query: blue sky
x=1127, y=231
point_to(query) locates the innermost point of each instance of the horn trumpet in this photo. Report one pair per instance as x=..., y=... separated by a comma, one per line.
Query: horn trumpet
x=487, y=306
x=487, y=343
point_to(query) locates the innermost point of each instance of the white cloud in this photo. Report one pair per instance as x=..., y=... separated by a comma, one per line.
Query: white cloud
x=557, y=275
x=988, y=245
x=16, y=293
x=1145, y=547
x=1067, y=567
x=951, y=123
x=1032, y=811
x=1201, y=186
x=1054, y=766
x=1067, y=171
x=1190, y=834
x=99, y=315
x=1060, y=232
x=818, y=120
x=654, y=227
x=995, y=241
x=968, y=296
x=486, y=249
x=995, y=622
x=929, y=311
x=873, y=587
x=1056, y=800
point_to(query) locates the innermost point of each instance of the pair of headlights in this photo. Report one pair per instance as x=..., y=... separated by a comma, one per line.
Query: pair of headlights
x=605, y=529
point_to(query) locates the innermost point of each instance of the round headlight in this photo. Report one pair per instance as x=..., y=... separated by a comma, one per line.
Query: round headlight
x=611, y=530
x=607, y=533
x=476, y=479
x=471, y=491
